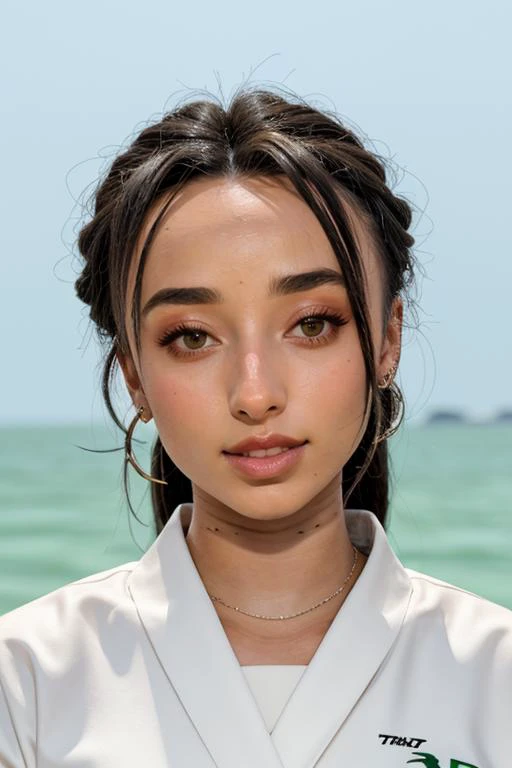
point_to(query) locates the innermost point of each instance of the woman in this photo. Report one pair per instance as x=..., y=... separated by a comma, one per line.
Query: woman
x=247, y=270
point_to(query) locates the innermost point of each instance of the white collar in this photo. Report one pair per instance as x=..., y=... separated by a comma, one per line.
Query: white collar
x=191, y=645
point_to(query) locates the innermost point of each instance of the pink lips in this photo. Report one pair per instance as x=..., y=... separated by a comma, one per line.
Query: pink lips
x=266, y=466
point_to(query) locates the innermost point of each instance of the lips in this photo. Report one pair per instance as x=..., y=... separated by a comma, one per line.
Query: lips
x=266, y=468
x=264, y=444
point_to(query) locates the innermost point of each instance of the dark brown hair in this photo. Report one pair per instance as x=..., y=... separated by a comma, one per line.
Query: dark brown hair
x=260, y=133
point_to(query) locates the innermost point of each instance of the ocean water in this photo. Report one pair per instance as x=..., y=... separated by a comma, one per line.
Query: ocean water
x=63, y=514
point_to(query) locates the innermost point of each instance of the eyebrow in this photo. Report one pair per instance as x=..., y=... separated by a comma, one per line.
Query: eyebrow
x=278, y=286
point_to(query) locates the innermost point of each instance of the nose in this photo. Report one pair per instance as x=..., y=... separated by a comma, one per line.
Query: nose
x=257, y=389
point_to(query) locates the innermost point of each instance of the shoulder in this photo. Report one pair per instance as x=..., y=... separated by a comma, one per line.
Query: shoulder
x=470, y=624
x=45, y=643
x=56, y=617
x=433, y=591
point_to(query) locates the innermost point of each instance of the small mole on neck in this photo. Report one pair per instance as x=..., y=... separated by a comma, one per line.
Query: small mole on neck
x=236, y=533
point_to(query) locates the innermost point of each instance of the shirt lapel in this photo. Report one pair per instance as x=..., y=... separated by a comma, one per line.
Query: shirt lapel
x=351, y=652
x=191, y=645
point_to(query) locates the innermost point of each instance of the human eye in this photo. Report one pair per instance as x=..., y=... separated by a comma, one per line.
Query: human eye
x=320, y=326
x=185, y=340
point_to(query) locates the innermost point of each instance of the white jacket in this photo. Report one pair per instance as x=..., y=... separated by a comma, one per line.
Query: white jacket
x=131, y=668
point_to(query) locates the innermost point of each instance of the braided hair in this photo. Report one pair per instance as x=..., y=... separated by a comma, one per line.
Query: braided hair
x=260, y=133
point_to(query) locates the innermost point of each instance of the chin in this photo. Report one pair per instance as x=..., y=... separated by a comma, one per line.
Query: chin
x=262, y=513
x=276, y=502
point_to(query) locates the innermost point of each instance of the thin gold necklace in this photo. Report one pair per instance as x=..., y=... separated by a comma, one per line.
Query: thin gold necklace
x=293, y=615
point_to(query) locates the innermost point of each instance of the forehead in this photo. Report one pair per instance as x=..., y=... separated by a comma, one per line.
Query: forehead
x=228, y=229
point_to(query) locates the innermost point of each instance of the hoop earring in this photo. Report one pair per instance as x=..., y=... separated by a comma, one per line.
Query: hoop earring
x=128, y=451
x=387, y=379
x=397, y=413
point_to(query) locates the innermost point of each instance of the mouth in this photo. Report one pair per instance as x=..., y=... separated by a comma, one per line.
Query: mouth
x=268, y=462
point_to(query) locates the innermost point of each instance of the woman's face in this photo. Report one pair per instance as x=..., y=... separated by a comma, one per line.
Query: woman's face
x=255, y=355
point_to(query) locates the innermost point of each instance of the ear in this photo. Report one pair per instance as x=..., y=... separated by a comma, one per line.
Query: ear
x=389, y=355
x=133, y=383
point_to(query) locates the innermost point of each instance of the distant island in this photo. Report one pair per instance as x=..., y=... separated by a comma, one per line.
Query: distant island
x=455, y=417
x=503, y=417
x=447, y=417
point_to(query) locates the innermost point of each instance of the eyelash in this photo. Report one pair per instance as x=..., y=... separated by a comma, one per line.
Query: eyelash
x=169, y=337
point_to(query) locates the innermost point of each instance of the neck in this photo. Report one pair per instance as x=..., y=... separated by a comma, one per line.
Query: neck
x=274, y=567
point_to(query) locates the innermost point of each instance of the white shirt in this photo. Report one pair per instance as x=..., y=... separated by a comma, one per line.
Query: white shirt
x=272, y=685
x=131, y=668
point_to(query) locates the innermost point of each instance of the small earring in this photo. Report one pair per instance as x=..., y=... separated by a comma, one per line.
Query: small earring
x=129, y=457
x=387, y=379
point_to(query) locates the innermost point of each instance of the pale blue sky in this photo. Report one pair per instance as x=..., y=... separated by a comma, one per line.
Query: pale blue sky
x=429, y=84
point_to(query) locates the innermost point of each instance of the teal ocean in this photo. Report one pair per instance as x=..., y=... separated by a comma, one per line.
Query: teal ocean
x=63, y=515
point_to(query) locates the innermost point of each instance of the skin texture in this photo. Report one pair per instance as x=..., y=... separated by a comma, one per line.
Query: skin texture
x=279, y=545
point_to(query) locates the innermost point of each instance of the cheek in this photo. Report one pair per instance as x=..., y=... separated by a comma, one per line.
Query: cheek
x=336, y=381
x=333, y=397
x=338, y=394
x=182, y=404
